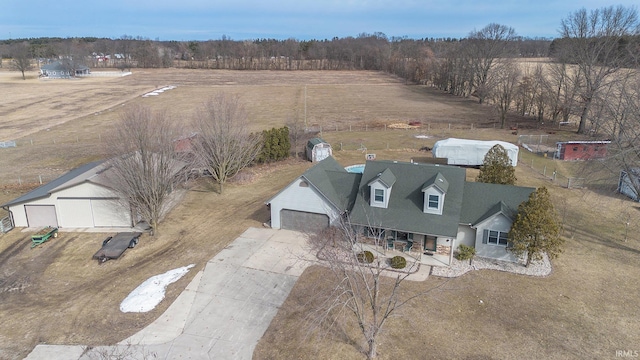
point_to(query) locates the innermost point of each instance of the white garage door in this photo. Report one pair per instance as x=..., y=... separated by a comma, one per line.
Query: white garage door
x=109, y=213
x=75, y=213
x=41, y=215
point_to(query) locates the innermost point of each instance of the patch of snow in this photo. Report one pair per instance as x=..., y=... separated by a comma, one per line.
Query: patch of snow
x=149, y=294
x=159, y=91
x=423, y=136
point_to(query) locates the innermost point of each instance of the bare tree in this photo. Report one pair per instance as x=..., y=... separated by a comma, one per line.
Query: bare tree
x=485, y=46
x=596, y=42
x=623, y=128
x=21, y=58
x=503, y=88
x=224, y=145
x=363, y=287
x=145, y=167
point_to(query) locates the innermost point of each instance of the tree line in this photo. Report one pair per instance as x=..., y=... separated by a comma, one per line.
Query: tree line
x=589, y=77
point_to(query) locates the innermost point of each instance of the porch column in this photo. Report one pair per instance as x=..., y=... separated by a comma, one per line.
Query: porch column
x=453, y=242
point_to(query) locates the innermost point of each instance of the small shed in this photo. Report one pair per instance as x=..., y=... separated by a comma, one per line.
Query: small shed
x=581, y=150
x=318, y=150
x=629, y=183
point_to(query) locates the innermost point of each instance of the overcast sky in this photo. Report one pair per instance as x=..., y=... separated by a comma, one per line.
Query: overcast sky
x=282, y=19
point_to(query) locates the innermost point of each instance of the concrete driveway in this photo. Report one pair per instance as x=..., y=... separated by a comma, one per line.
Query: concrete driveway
x=223, y=312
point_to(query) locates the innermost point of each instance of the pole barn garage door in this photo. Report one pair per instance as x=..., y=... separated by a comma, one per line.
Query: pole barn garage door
x=109, y=213
x=41, y=215
x=303, y=221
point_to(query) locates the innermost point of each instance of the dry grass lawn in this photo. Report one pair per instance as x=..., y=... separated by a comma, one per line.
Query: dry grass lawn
x=56, y=294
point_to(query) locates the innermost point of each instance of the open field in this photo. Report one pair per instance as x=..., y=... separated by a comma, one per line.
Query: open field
x=56, y=294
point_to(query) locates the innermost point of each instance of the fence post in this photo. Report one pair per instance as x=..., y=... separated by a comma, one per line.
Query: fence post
x=449, y=126
x=387, y=145
x=40, y=178
x=31, y=141
x=568, y=183
x=340, y=146
x=544, y=172
x=532, y=163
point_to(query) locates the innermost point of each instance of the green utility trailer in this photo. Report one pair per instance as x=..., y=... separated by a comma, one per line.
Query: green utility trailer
x=43, y=235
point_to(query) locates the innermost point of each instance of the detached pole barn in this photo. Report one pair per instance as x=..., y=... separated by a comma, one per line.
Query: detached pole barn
x=318, y=150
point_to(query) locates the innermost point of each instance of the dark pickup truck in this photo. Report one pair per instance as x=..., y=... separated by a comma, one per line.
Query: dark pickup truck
x=114, y=246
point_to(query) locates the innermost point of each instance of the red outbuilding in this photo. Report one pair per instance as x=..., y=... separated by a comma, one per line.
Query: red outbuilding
x=581, y=150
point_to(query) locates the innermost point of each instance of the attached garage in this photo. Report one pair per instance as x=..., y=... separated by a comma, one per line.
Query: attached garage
x=315, y=200
x=41, y=215
x=303, y=221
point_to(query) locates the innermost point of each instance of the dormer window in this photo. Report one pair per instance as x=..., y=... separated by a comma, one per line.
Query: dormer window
x=380, y=188
x=434, y=202
x=434, y=193
x=379, y=195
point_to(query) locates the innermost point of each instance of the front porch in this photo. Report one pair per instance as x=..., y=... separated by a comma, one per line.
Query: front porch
x=424, y=258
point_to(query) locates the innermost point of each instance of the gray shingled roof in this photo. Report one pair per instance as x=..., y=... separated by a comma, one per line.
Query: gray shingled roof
x=386, y=178
x=406, y=203
x=58, y=65
x=482, y=201
x=45, y=190
x=439, y=181
x=335, y=183
x=314, y=141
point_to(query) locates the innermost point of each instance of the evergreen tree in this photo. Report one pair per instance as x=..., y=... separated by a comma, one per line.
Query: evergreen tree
x=276, y=145
x=496, y=167
x=536, y=230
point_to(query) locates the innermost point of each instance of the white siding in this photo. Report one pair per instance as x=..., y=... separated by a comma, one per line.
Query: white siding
x=626, y=187
x=109, y=213
x=82, y=205
x=75, y=213
x=466, y=236
x=498, y=222
x=19, y=213
x=387, y=194
x=300, y=198
x=433, y=191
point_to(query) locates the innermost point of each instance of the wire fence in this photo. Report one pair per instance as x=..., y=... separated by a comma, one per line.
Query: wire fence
x=416, y=125
x=555, y=176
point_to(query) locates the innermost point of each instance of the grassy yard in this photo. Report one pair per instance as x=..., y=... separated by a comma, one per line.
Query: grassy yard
x=55, y=293
x=587, y=307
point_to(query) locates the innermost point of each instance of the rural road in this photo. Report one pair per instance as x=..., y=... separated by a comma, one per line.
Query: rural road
x=223, y=312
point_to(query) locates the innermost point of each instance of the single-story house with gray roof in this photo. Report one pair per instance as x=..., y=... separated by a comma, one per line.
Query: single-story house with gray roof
x=63, y=70
x=422, y=209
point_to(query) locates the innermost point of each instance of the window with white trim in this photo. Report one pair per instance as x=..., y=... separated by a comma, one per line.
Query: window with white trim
x=495, y=237
x=434, y=202
x=378, y=195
